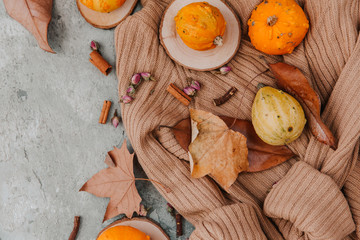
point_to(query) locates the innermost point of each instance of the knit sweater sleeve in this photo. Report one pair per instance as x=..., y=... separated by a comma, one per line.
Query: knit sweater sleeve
x=307, y=202
x=308, y=197
x=199, y=200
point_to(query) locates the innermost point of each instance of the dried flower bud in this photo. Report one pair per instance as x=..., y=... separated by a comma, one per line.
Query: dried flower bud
x=190, y=91
x=136, y=79
x=143, y=211
x=224, y=70
x=115, y=120
x=196, y=85
x=130, y=90
x=147, y=76
x=126, y=99
x=170, y=209
x=94, y=45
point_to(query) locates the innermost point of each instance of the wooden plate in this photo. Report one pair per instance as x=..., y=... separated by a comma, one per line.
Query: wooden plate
x=143, y=224
x=200, y=60
x=106, y=20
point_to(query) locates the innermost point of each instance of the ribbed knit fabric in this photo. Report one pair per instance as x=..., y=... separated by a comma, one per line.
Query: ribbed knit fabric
x=313, y=196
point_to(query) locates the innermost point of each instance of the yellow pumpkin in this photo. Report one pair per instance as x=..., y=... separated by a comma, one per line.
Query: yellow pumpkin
x=276, y=27
x=123, y=233
x=200, y=25
x=103, y=5
x=278, y=118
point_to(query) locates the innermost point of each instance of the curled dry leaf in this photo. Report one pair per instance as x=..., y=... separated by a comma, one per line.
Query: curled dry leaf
x=116, y=182
x=34, y=15
x=182, y=133
x=293, y=81
x=217, y=150
x=261, y=155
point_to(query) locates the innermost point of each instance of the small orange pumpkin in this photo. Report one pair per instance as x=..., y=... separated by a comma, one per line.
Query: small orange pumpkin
x=123, y=233
x=276, y=27
x=200, y=25
x=103, y=5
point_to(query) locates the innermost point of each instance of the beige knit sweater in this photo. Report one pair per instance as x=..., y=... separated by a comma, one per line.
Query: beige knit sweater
x=315, y=195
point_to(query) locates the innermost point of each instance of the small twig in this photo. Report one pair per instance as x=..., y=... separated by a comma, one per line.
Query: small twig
x=226, y=97
x=76, y=228
x=160, y=184
x=179, y=230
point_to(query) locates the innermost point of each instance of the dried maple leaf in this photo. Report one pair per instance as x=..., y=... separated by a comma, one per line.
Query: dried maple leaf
x=293, y=81
x=34, y=15
x=217, y=150
x=116, y=182
x=261, y=155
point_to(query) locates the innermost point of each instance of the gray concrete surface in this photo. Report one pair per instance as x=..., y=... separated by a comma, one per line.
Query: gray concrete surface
x=50, y=139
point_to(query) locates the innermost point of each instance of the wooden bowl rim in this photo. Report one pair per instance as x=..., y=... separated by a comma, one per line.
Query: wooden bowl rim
x=106, y=26
x=207, y=69
x=145, y=219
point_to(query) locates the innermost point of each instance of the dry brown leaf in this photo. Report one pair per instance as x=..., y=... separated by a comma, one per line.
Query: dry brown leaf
x=293, y=81
x=261, y=155
x=116, y=182
x=217, y=150
x=34, y=15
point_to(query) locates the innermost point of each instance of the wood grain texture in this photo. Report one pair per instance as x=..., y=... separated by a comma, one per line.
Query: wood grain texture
x=145, y=225
x=106, y=20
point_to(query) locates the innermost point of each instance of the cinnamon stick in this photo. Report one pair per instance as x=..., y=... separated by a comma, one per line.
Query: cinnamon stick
x=179, y=231
x=223, y=99
x=75, y=229
x=179, y=94
x=102, y=112
x=105, y=112
x=100, y=62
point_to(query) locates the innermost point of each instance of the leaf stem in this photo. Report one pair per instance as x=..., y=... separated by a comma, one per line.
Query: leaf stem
x=247, y=88
x=150, y=180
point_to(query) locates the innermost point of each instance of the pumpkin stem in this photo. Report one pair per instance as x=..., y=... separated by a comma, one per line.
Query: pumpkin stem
x=271, y=20
x=218, y=41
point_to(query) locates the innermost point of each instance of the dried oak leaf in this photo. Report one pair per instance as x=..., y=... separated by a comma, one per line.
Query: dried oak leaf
x=217, y=150
x=34, y=15
x=261, y=155
x=116, y=182
x=293, y=81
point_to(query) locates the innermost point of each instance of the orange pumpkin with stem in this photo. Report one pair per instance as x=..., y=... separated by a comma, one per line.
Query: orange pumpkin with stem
x=200, y=25
x=123, y=233
x=276, y=27
x=103, y=5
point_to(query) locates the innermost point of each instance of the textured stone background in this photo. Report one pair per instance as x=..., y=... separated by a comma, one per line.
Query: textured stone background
x=50, y=139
